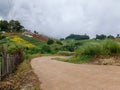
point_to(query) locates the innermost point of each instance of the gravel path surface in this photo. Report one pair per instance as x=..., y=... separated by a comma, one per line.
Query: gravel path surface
x=57, y=75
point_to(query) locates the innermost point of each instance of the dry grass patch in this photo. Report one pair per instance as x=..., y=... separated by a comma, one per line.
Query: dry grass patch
x=22, y=79
x=110, y=60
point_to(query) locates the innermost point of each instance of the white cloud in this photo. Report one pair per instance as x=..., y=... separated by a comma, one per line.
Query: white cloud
x=59, y=18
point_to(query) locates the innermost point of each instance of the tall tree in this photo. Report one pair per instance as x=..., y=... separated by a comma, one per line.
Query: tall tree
x=102, y=36
x=15, y=26
x=111, y=37
x=78, y=37
x=118, y=36
x=4, y=25
x=36, y=32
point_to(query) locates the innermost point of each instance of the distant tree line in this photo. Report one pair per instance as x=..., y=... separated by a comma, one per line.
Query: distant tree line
x=11, y=26
x=78, y=37
x=85, y=37
x=102, y=36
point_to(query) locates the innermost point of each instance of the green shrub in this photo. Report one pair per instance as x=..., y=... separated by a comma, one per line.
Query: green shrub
x=70, y=48
x=50, y=42
x=34, y=50
x=59, y=42
x=15, y=47
x=106, y=47
x=2, y=36
x=111, y=46
x=78, y=44
x=46, y=49
x=90, y=50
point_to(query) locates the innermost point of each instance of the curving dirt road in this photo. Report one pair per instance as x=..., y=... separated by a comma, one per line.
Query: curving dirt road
x=56, y=75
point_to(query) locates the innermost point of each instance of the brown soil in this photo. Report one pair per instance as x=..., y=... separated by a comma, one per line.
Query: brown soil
x=57, y=75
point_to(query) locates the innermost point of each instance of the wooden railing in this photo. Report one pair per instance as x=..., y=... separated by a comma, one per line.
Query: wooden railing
x=9, y=64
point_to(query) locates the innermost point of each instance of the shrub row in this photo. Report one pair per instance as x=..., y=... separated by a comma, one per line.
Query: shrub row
x=106, y=47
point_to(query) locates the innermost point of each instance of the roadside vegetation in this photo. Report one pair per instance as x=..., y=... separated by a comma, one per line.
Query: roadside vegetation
x=95, y=50
x=99, y=50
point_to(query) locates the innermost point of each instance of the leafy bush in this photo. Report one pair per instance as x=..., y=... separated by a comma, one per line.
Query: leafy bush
x=2, y=36
x=70, y=48
x=15, y=47
x=46, y=49
x=34, y=50
x=90, y=50
x=78, y=44
x=59, y=42
x=50, y=42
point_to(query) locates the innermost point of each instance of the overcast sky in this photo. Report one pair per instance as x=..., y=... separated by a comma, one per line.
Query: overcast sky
x=59, y=18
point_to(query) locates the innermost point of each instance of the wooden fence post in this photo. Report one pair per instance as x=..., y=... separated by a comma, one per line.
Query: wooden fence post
x=0, y=68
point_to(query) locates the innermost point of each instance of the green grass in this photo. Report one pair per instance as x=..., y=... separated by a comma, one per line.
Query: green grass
x=79, y=60
x=65, y=53
x=105, y=47
x=89, y=49
x=92, y=48
x=76, y=60
x=111, y=47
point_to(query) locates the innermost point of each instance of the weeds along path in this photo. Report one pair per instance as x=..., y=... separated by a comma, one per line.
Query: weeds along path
x=57, y=75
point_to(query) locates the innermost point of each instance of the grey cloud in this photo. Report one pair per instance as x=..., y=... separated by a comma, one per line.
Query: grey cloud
x=58, y=18
x=5, y=6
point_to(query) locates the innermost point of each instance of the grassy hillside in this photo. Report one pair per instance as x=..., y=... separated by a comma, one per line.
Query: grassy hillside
x=88, y=50
x=81, y=50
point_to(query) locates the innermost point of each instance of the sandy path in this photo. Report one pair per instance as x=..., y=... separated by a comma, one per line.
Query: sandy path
x=56, y=75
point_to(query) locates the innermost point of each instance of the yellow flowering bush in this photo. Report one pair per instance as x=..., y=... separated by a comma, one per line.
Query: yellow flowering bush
x=24, y=42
